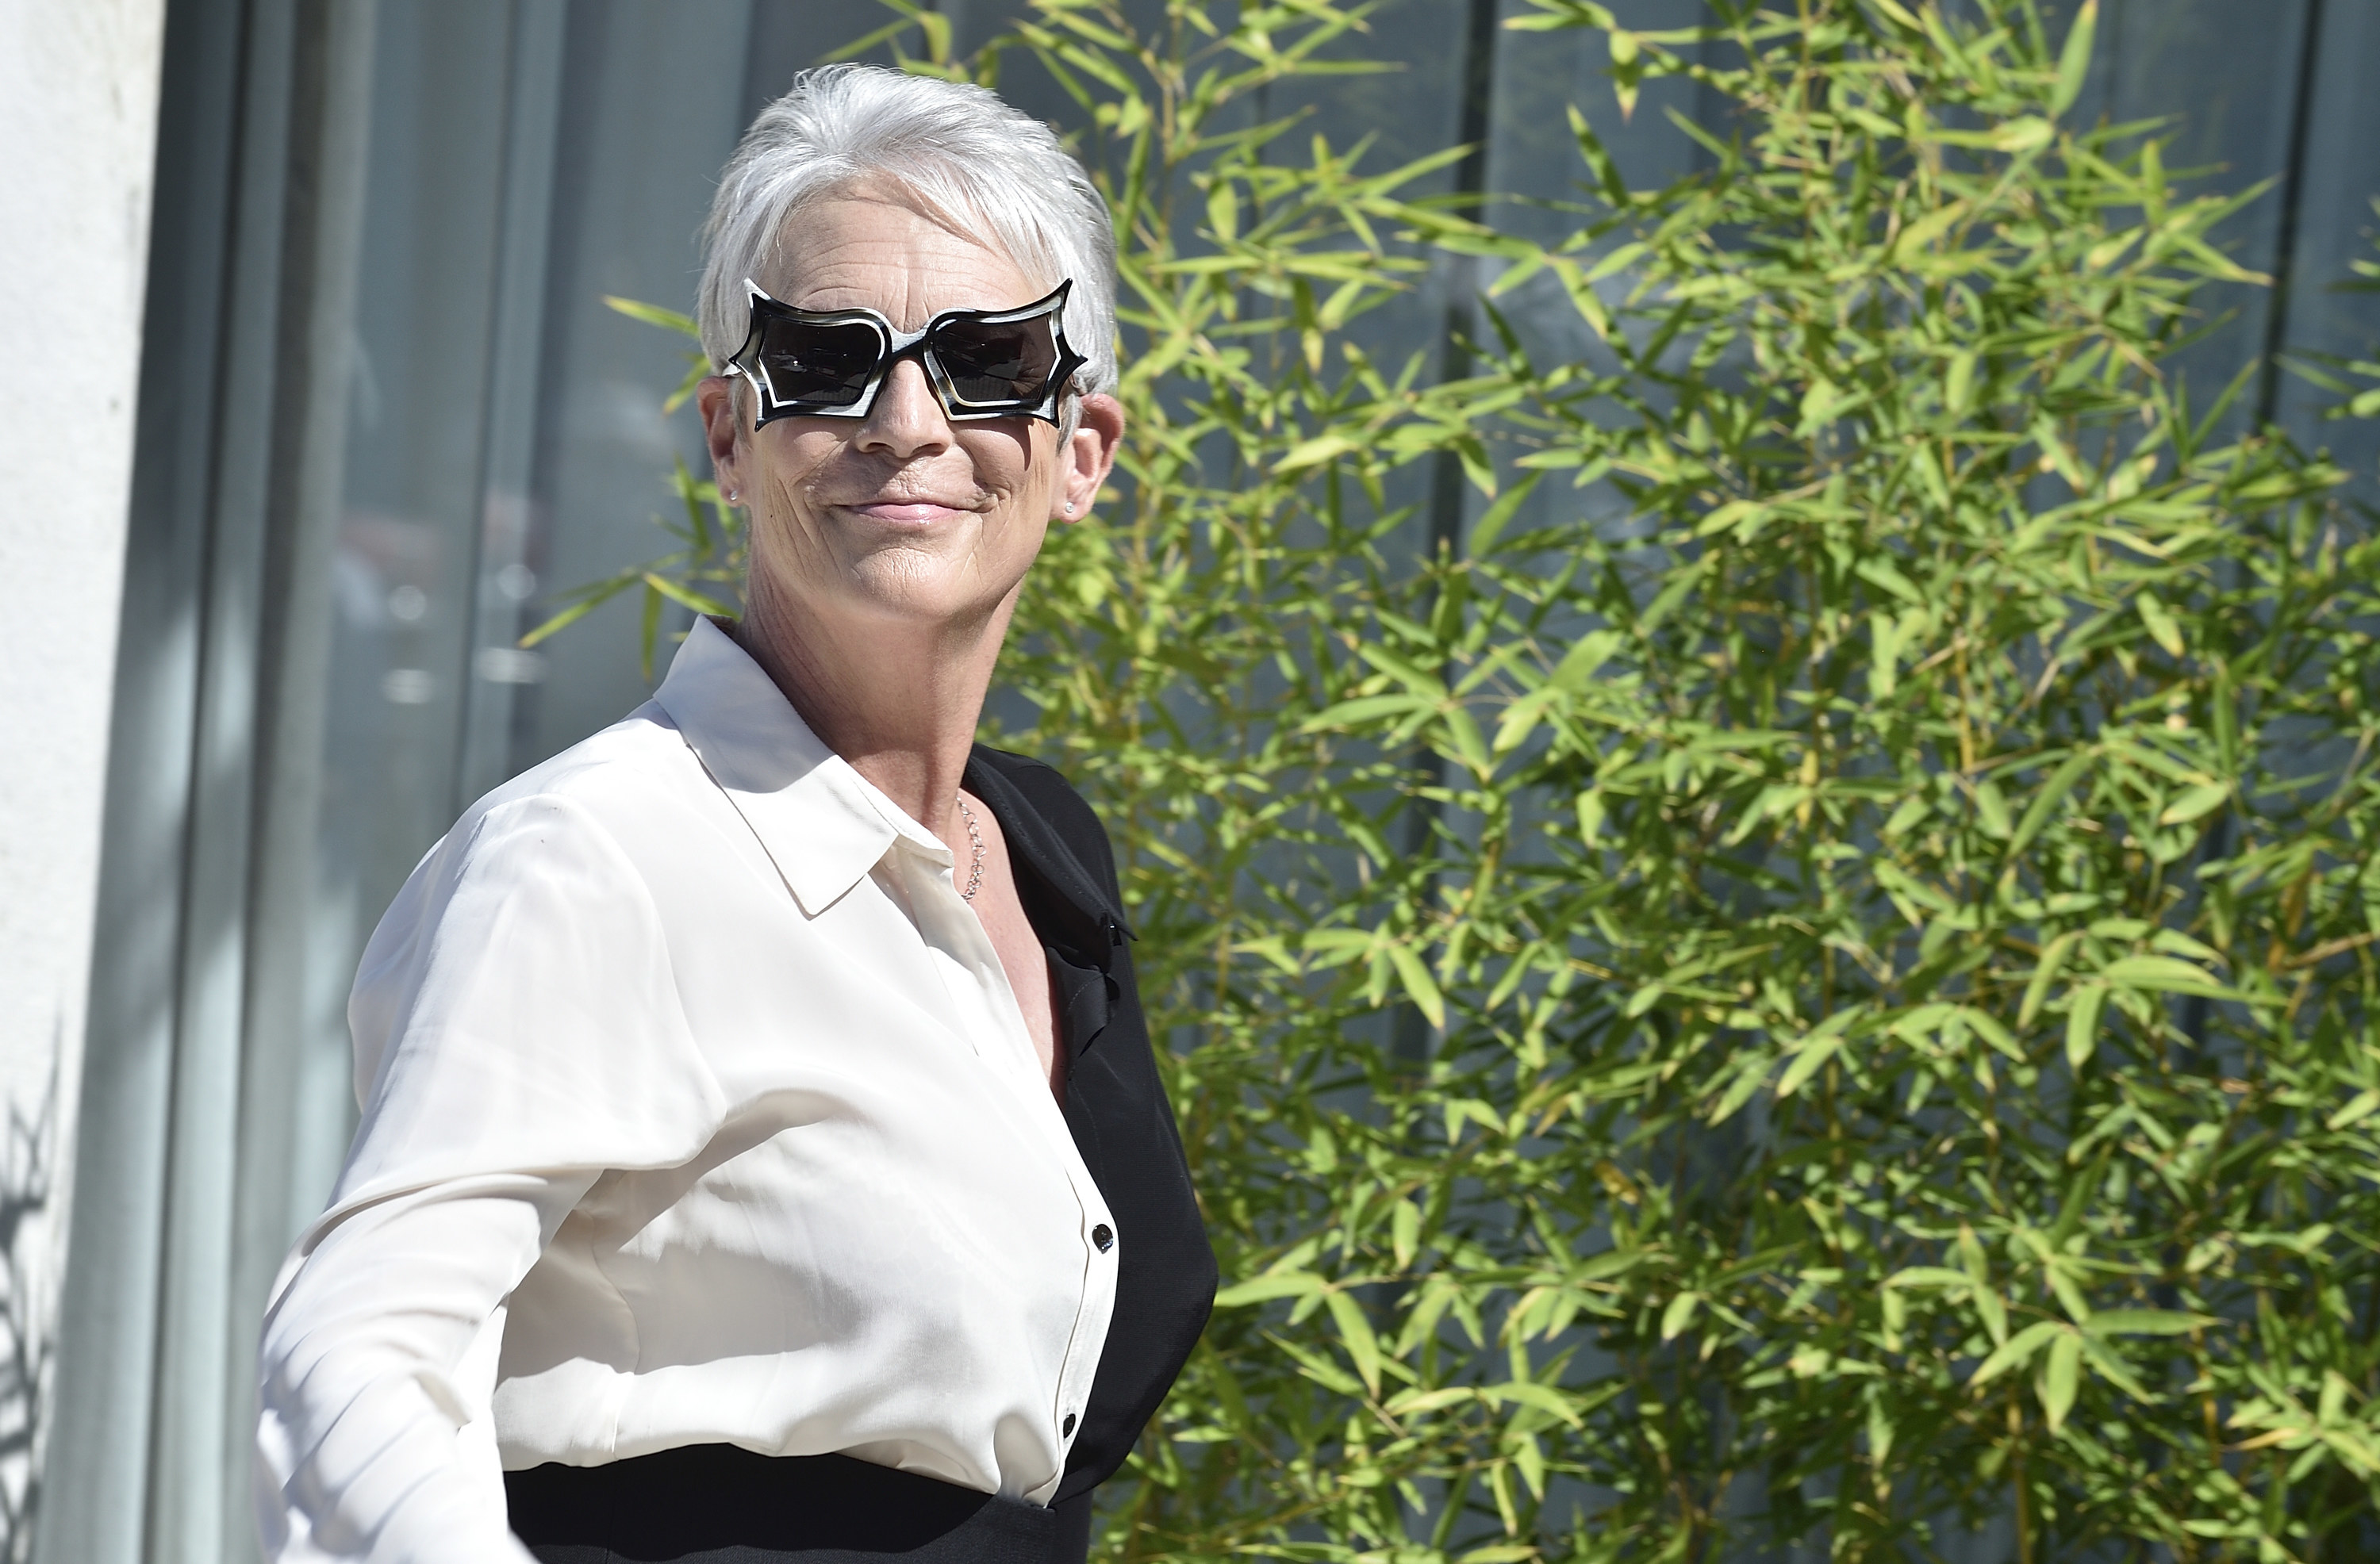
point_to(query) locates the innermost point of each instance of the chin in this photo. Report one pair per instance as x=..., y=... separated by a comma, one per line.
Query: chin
x=911, y=603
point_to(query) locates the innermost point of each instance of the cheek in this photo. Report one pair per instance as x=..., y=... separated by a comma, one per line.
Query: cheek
x=788, y=465
x=1019, y=464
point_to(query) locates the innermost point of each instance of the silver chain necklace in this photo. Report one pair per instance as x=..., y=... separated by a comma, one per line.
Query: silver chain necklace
x=975, y=840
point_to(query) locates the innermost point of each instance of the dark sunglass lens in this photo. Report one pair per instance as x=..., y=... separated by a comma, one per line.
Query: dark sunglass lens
x=1006, y=363
x=817, y=366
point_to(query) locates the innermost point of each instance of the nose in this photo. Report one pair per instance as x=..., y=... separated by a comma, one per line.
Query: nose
x=907, y=419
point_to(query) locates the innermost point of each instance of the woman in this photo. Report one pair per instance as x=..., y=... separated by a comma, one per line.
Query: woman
x=762, y=1155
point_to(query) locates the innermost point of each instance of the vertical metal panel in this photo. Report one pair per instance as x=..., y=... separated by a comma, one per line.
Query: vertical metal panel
x=2336, y=227
x=294, y=114
x=498, y=671
x=2225, y=86
x=1412, y=1037
x=201, y=1489
x=96, y=1470
x=2287, y=200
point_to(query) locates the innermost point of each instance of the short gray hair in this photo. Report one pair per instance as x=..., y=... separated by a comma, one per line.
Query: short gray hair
x=961, y=150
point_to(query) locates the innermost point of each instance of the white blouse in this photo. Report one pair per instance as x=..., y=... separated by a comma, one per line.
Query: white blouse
x=696, y=1108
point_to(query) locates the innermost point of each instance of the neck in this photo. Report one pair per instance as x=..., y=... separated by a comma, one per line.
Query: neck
x=898, y=701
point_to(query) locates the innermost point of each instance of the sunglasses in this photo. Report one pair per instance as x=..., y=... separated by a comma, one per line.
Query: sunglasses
x=981, y=363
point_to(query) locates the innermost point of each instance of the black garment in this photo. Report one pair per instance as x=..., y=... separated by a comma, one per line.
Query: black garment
x=1122, y=1123
x=716, y=1504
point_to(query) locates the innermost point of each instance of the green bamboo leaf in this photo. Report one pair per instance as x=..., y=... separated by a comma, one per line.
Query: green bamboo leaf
x=2165, y=974
x=1992, y=1310
x=1419, y=986
x=2044, y=973
x=2061, y=1378
x=1439, y=1294
x=2145, y=1322
x=2074, y=59
x=1364, y=710
x=649, y=626
x=1732, y=514
x=685, y=596
x=1529, y=1459
x=2023, y=135
x=2196, y=804
x=655, y=315
x=1417, y=1403
x=866, y=40
x=1812, y=1058
x=1264, y=1289
x=2016, y=1352
x=1624, y=70
x=1463, y=736
x=1986, y=1025
x=2045, y=803
x=2110, y=1366
x=1750, y=1076
x=1356, y=1334
x=1492, y=522
x=1405, y=1232
x=1884, y=641
x=1523, y=717
x=2082, y=1024
x=2162, y=626
x=1584, y=660
x=1314, y=452
x=1958, y=383
x=2358, y=1108
x=1992, y=812
x=1914, y=238
x=1545, y=1398
x=590, y=599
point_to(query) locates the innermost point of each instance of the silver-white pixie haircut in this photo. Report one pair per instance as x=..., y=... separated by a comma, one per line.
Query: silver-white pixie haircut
x=965, y=155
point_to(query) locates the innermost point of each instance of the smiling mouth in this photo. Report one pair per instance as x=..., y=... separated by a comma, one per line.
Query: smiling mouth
x=910, y=511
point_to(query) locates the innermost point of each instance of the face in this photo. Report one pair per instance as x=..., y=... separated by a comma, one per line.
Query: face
x=902, y=517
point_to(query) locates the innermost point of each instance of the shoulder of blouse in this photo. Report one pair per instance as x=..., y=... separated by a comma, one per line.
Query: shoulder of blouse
x=523, y=961
x=1059, y=835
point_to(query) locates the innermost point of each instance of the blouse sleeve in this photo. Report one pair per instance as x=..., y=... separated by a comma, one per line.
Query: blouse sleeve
x=517, y=1033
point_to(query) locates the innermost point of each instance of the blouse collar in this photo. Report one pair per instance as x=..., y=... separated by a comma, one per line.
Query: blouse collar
x=822, y=823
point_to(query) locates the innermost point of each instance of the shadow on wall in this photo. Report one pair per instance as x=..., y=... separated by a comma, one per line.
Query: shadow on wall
x=28, y=1173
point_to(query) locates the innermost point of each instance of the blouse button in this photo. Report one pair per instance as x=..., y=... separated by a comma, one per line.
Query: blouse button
x=1102, y=1238
x=1066, y=1429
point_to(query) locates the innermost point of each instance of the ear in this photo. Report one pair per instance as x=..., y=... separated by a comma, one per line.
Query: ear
x=722, y=431
x=1087, y=455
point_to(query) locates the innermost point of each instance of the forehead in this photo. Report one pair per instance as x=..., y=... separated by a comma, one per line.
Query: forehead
x=874, y=249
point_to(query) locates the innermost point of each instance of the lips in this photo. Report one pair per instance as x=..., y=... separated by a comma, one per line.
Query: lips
x=909, y=510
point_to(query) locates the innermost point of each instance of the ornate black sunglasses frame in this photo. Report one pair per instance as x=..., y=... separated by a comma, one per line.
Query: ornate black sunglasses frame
x=943, y=350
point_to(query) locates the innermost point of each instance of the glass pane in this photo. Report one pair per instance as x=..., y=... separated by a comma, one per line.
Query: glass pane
x=505, y=438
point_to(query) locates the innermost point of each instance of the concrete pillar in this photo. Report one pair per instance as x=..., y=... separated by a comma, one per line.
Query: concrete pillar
x=78, y=84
